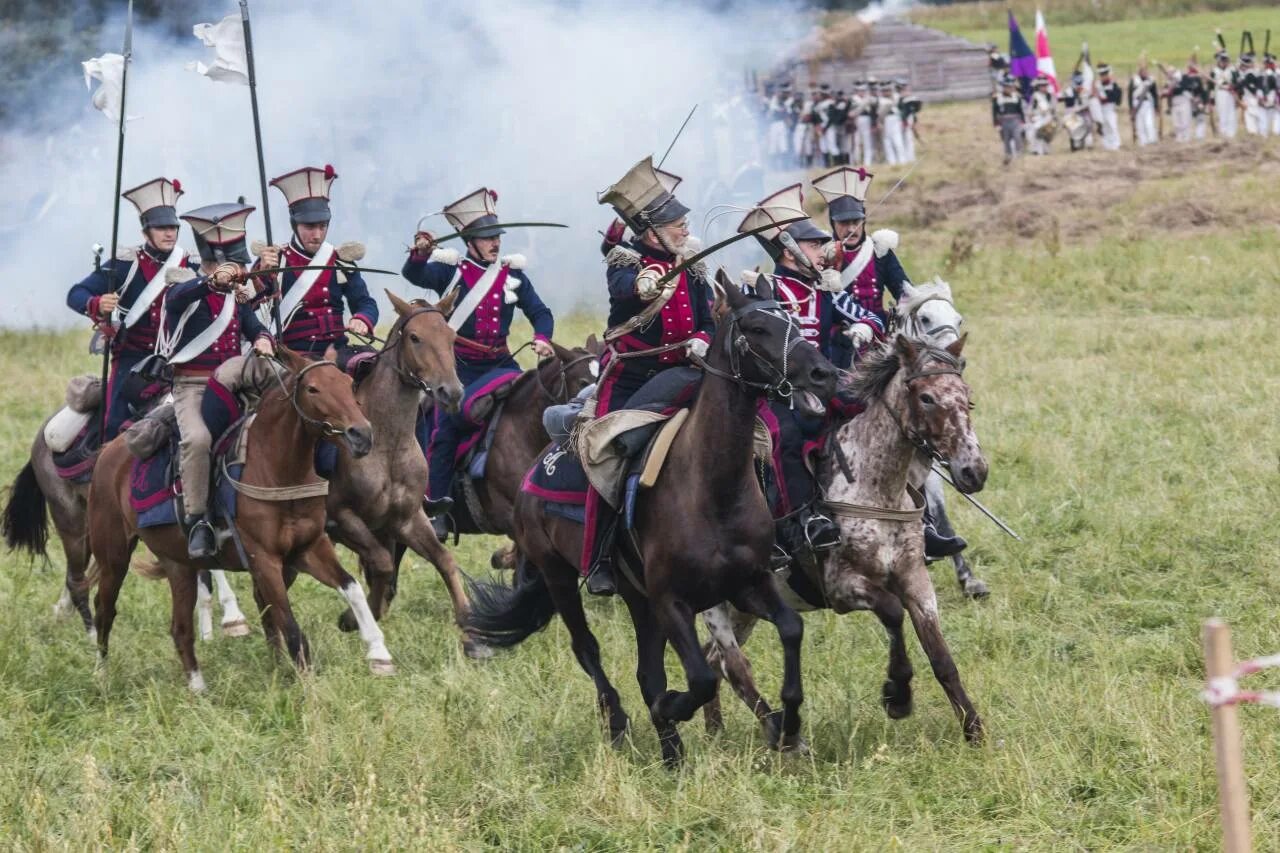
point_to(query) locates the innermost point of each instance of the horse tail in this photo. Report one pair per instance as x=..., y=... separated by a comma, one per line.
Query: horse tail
x=26, y=522
x=506, y=616
x=148, y=568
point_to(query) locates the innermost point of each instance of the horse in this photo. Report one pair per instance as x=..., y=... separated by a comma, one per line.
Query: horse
x=703, y=533
x=279, y=523
x=39, y=492
x=928, y=311
x=917, y=405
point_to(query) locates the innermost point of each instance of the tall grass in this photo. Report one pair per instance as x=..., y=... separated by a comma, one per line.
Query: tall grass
x=1126, y=390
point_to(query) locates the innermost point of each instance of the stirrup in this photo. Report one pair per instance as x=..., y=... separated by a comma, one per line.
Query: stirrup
x=436, y=507
x=821, y=533
x=600, y=580
x=779, y=559
x=201, y=549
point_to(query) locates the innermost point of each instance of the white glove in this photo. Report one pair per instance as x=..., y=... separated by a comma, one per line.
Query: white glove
x=647, y=283
x=829, y=280
x=860, y=334
x=245, y=291
x=696, y=347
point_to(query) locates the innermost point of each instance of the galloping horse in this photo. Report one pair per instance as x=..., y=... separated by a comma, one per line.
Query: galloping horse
x=39, y=492
x=917, y=405
x=278, y=528
x=702, y=534
x=928, y=311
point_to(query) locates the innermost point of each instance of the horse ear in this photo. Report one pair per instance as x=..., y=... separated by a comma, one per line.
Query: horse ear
x=957, y=346
x=445, y=305
x=593, y=345
x=397, y=303
x=906, y=348
x=289, y=358
x=944, y=288
x=908, y=291
x=764, y=288
x=331, y=354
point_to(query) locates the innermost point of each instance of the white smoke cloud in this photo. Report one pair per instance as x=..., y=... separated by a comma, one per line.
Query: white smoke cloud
x=884, y=8
x=415, y=105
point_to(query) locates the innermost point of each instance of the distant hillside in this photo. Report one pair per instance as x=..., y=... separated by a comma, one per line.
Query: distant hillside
x=988, y=14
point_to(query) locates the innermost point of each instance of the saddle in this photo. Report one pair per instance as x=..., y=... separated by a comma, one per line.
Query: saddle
x=74, y=434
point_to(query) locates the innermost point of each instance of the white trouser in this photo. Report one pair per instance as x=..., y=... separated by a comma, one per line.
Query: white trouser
x=802, y=140
x=1273, y=118
x=862, y=127
x=1255, y=117
x=1224, y=105
x=908, y=141
x=778, y=137
x=1180, y=113
x=892, y=139
x=1201, y=123
x=1110, y=127
x=830, y=141
x=1145, y=122
x=1034, y=142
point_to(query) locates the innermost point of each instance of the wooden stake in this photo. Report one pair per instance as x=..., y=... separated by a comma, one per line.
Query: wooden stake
x=1233, y=793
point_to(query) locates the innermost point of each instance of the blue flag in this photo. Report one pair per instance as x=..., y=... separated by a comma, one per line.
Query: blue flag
x=1022, y=59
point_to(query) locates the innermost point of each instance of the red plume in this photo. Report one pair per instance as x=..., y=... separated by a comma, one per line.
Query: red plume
x=329, y=173
x=177, y=186
x=493, y=195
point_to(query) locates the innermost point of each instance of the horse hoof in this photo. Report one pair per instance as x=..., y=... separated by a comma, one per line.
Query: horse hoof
x=238, y=628
x=195, y=682
x=347, y=622
x=382, y=667
x=974, y=731
x=897, y=703
x=976, y=589
x=92, y=634
x=476, y=650
x=793, y=745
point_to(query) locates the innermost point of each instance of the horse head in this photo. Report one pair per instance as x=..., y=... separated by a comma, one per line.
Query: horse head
x=322, y=396
x=425, y=343
x=937, y=408
x=928, y=311
x=763, y=345
x=577, y=367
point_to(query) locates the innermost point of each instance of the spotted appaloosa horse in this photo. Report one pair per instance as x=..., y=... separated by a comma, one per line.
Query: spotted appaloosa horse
x=916, y=400
x=314, y=400
x=39, y=492
x=927, y=311
x=702, y=534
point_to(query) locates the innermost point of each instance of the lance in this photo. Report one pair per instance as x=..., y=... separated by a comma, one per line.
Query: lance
x=676, y=138
x=257, y=140
x=115, y=218
x=946, y=477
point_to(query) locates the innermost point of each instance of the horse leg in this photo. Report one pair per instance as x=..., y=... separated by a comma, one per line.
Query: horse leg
x=233, y=622
x=321, y=562
x=676, y=620
x=562, y=584
x=375, y=563
x=651, y=672
x=418, y=536
x=896, y=691
x=182, y=590
x=764, y=600
x=113, y=563
x=75, y=546
x=916, y=592
x=272, y=595
x=729, y=630
x=269, y=629
x=972, y=587
x=204, y=604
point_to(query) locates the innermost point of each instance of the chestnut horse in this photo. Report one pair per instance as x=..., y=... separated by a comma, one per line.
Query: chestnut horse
x=917, y=409
x=314, y=400
x=702, y=535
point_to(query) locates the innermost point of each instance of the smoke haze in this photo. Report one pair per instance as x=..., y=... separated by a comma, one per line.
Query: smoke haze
x=415, y=105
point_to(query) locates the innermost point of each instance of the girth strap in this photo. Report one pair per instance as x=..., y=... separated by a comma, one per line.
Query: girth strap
x=852, y=510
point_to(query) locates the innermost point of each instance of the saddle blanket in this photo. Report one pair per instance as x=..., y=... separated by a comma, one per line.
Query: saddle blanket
x=76, y=462
x=154, y=489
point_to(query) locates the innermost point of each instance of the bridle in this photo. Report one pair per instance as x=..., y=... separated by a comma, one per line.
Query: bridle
x=408, y=377
x=736, y=345
x=952, y=365
x=914, y=319
x=562, y=377
x=325, y=427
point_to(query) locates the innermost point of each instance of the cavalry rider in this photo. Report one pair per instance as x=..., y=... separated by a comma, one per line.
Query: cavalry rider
x=206, y=318
x=806, y=288
x=643, y=314
x=128, y=289
x=311, y=301
x=868, y=267
x=489, y=290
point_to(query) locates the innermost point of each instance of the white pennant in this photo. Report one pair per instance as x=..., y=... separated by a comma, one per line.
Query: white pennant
x=108, y=70
x=230, y=63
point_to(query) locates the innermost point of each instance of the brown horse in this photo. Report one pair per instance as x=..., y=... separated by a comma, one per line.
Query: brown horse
x=703, y=533
x=917, y=410
x=314, y=400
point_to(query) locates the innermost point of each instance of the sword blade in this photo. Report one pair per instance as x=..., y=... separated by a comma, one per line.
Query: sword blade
x=274, y=270
x=685, y=264
x=946, y=477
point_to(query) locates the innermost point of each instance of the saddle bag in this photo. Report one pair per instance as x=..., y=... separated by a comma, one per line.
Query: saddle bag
x=84, y=394
x=146, y=437
x=152, y=370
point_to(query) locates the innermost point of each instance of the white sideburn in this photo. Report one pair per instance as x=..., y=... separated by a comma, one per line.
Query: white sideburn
x=378, y=656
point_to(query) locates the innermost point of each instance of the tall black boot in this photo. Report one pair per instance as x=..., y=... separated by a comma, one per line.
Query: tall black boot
x=600, y=580
x=201, y=542
x=938, y=547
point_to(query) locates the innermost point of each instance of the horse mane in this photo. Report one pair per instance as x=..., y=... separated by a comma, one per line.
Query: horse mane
x=873, y=374
x=920, y=293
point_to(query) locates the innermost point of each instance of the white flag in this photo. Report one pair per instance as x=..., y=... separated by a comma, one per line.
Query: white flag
x=230, y=64
x=108, y=70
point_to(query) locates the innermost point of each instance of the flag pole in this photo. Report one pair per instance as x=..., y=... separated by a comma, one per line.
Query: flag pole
x=257, y=139
x=112, y=284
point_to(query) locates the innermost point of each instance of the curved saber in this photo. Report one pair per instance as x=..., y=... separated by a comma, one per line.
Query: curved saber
x=505, y=225
x=274, y=270
x=941, y=472
x=685, y=264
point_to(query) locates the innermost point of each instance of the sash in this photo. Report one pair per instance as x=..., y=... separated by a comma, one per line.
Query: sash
x=152, y=291
x=205, y=339
x=303, y=283
x=475, y=295
x=859, y=263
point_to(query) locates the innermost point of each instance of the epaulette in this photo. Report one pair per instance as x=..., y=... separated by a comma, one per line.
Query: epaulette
x=177, y=275
x=351, y=251
x=884, y=241
x=621, y=256
x=127, y=253
x=448, y=257
x=516, y=261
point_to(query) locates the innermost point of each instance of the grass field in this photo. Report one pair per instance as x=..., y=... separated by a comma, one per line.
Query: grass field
x=1122, y=356
x=1117, y=41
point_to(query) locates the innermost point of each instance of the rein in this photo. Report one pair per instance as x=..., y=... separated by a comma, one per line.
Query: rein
x=562, y=374
x=736, y=345
x=324, y=427
x=914, y=320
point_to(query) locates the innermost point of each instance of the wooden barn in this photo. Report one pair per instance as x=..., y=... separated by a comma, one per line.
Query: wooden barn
x=939, y=66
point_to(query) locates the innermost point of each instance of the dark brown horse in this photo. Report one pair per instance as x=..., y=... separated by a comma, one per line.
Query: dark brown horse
x=917, y=409
x=313, y=400
x=703, y=533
